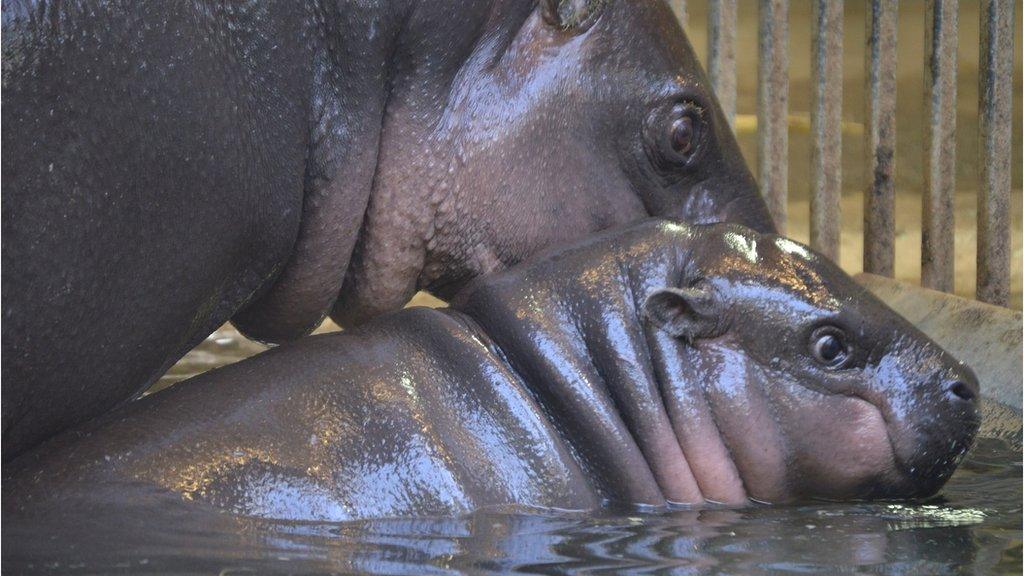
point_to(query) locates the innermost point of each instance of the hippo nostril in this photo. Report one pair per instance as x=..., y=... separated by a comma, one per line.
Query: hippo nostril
x=961, y=390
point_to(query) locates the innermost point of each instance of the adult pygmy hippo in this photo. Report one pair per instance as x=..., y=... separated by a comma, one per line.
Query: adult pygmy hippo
x=168, y=166
x=660, y=363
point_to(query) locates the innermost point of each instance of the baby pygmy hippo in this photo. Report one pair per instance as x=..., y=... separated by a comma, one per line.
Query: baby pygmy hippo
x=656, y=364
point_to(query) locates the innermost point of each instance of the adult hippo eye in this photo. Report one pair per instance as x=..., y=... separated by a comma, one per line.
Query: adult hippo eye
x=674, y=136
x=685, y=131
x=682, y=135
x=829, y=347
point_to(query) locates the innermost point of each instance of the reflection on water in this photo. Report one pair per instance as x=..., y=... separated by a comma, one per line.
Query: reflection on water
x=973, y=527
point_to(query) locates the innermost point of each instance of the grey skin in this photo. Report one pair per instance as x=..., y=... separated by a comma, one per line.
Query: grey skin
x=657, y=364
x=168, y=166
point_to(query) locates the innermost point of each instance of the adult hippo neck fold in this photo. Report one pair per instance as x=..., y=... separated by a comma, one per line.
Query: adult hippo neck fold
x=656, y=364
x=479, y=163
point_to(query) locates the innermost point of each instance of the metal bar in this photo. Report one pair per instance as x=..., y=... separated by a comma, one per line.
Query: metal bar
x=880, y=138
x=722, y=54
x=772, y=105
x=826, y=126
x=680, y=9
x=940, y=147
x=994, y=107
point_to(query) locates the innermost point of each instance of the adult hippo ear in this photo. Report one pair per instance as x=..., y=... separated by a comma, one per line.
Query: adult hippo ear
x=572, y=15
x=688, y=313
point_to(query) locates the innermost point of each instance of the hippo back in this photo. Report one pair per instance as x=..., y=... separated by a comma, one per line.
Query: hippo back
x=410, y=415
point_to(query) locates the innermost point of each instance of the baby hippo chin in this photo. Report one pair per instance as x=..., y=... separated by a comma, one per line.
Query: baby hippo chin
x=653, y=365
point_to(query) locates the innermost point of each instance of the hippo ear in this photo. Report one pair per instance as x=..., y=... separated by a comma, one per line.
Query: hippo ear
x=572, y=15
x=687, y=313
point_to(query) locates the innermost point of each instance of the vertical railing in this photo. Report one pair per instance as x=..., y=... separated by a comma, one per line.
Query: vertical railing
x=937, y=224
x=772, y=106
x=880, y=138
x=995, y=98
x=826, y=126
x=722, y=54
x=940, y=72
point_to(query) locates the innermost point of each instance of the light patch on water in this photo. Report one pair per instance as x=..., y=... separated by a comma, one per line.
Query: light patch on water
x=913, y=516
x=931, y=516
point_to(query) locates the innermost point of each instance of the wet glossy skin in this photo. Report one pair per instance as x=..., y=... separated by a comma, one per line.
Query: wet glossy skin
x=650, y=365
x=169, y=167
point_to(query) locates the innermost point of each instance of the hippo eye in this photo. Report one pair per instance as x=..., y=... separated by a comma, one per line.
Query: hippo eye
x=674, y=136
x=682, y=135
x=685, y=131
x=829, y=347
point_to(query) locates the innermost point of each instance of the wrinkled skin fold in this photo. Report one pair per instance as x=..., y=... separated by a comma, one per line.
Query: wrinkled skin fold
x=657, y=364
x=171, y=166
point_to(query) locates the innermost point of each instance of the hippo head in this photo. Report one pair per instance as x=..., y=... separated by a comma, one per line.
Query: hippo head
x=795, y=382
x=559, y=119
x=634, y=107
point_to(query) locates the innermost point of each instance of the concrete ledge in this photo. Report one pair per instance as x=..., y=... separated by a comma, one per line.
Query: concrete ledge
x=987, y=338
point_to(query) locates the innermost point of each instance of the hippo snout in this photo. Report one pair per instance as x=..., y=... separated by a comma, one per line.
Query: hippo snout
x=946, y=429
